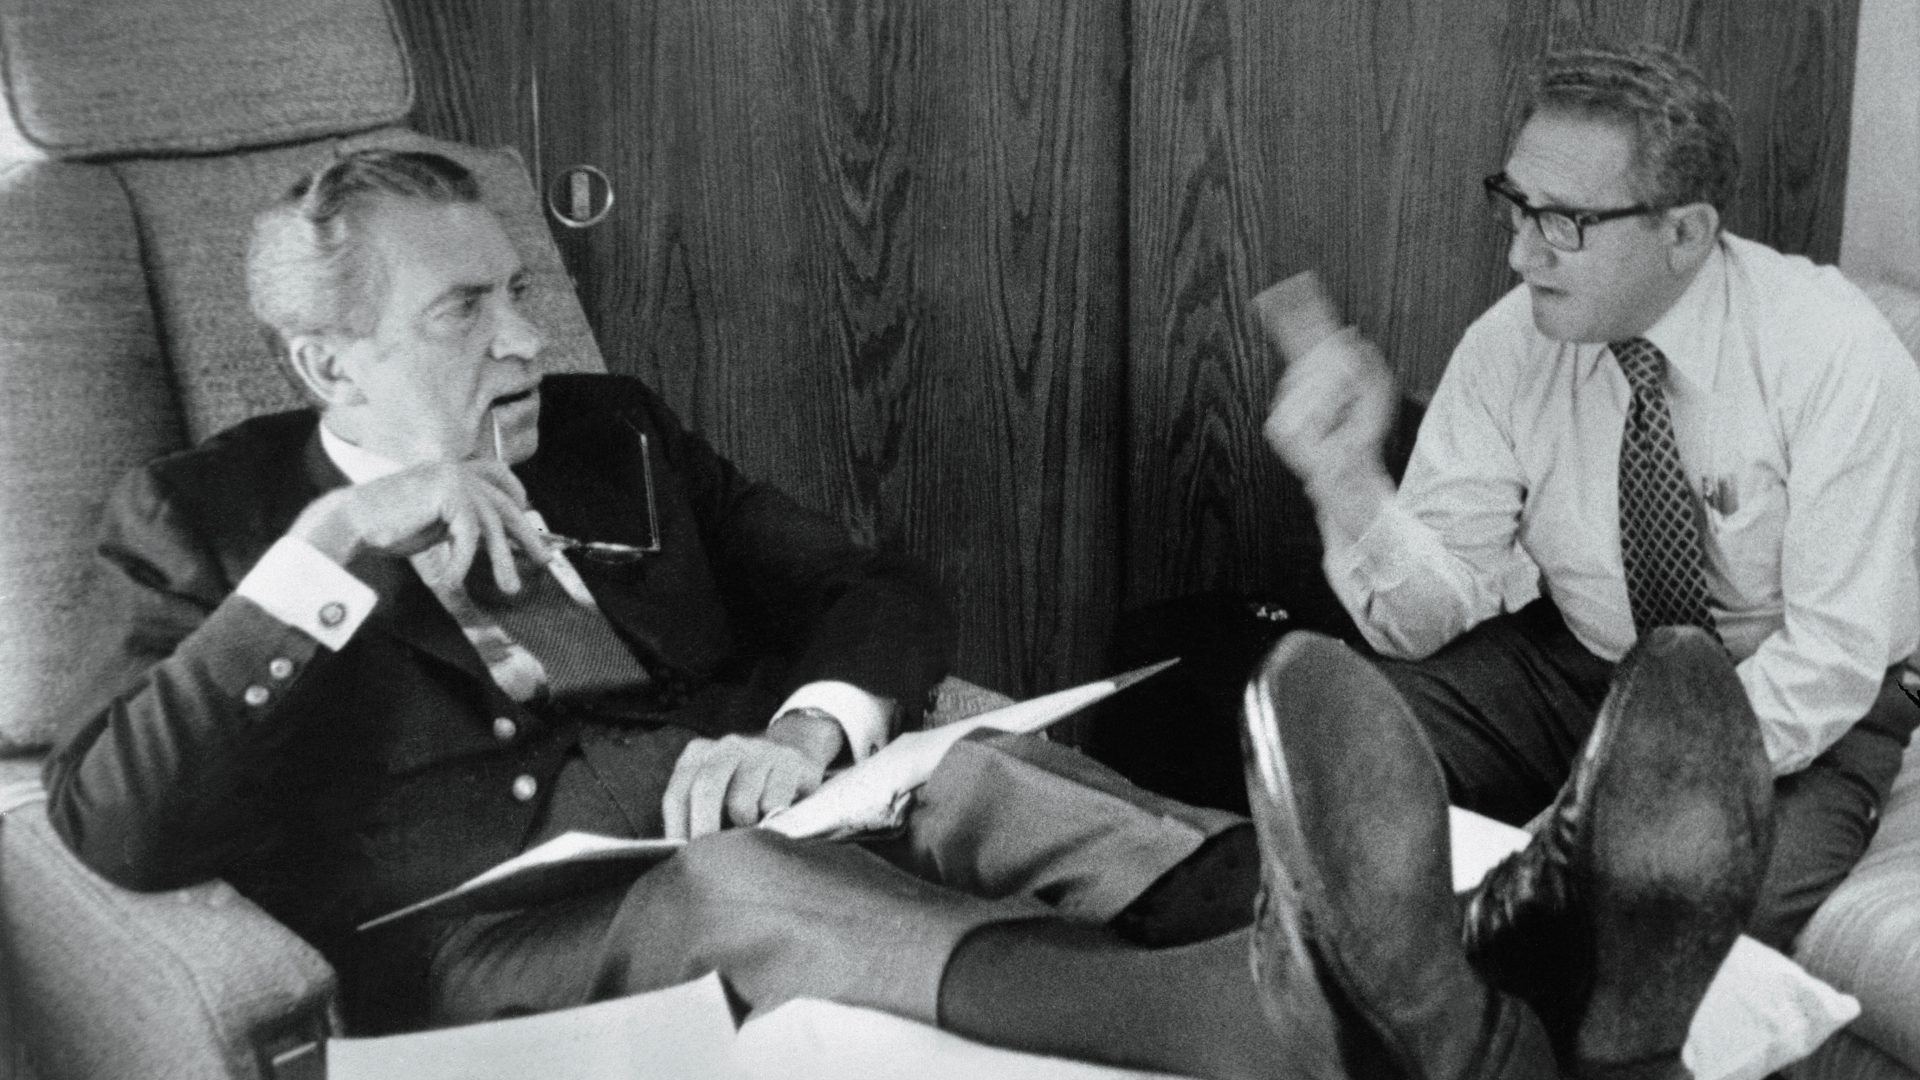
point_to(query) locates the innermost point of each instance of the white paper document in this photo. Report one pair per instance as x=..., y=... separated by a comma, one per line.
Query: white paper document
x=569, y=863
x=681, y=1033
x=874, y=794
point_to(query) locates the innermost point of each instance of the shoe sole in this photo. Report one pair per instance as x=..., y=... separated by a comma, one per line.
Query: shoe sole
x=1333, y=750
x=1669, y=890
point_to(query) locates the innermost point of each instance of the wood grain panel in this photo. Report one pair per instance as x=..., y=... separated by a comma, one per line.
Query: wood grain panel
x=871, y=249
x=470, y=70
x=1350, y=136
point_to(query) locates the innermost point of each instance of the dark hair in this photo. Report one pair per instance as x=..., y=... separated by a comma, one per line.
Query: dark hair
x=308, y=267
x=1683, y=131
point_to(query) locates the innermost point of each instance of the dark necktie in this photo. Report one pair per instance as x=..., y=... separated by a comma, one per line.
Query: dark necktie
x=1659, y=539
x=576, y=644
x=541, y=642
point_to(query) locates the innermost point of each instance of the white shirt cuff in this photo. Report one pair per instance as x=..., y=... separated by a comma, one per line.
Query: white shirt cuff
x=863, y=716
x=296, y=584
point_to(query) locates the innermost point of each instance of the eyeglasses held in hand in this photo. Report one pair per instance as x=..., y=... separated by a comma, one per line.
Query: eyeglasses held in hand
x=610, y=552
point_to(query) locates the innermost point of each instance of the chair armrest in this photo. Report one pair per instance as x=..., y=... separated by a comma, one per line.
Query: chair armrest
x=109, y=983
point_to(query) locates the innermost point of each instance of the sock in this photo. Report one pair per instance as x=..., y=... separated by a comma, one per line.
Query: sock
x=1081, y=992
x=1205, y=895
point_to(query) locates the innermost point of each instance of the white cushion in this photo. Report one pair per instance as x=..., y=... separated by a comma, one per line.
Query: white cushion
x=1865, y=938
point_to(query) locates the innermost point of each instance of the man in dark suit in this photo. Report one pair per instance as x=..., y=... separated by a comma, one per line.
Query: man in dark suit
x=350, y=659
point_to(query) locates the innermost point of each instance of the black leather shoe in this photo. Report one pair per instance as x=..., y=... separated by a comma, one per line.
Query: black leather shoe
x=1614, y=919
x=1356, y=942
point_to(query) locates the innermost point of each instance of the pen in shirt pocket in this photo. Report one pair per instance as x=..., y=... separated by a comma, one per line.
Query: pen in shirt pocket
x=1720, y=493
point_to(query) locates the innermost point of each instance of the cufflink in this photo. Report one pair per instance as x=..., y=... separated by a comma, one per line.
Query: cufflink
x=333, y=614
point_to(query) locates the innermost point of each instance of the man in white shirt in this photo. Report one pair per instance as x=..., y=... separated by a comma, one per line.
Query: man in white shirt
x=1640, y=328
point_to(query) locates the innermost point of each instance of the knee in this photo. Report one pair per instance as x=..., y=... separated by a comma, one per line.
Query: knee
x=732, y=860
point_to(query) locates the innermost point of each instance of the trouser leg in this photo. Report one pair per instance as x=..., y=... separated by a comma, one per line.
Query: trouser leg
x=1007, y=829
x=1507, y=707
x=778, y=919
x=1509, y=704
x=1825, y=815
x=1021, y=816
x=511, y=964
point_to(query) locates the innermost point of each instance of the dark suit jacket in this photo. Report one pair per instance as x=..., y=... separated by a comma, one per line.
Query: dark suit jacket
x=374, y=776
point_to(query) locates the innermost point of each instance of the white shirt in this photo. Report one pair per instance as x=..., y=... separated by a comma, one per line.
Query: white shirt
x=1797, y=415
x=293, y=581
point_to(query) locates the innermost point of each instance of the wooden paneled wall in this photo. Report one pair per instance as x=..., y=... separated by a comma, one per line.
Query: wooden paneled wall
x=972, y=274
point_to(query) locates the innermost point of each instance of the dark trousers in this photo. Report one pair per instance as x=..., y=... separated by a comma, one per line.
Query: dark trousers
x=1008, y=828
x=1509, y=704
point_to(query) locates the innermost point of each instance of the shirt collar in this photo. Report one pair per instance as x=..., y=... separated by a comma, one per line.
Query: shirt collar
x=358, y=464
x=1688, y=335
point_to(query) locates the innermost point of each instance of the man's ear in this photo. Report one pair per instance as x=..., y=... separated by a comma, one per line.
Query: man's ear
x=1693, y=230
x=318, y=361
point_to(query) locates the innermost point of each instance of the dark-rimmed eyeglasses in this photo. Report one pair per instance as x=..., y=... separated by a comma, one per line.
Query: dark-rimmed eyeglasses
x=1562, y=227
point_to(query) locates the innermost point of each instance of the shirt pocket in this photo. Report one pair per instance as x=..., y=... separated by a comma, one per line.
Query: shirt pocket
x=1746, y=516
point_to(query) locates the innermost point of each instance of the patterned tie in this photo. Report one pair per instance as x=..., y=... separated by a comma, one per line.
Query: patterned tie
x=1659, y=540
x=543, y=641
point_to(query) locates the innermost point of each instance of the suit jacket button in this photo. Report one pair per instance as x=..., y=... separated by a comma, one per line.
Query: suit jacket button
x=504, y=728
x=280, y=667
x=525, y=787
x=255, y=695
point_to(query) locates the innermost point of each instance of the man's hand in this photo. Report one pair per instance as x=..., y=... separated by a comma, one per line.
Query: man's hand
x=1329, y=423
x=467, y=504
x=749, y=776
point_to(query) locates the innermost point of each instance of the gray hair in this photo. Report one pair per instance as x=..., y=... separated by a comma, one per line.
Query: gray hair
x=309, y=268
x=1683, y=129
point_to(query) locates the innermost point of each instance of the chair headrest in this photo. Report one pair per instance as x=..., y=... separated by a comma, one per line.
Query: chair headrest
x=109, y=78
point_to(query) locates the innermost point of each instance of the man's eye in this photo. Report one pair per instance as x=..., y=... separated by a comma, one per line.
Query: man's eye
x=519, y=290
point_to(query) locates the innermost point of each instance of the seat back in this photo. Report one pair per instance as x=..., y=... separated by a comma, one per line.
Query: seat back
x=145, y=135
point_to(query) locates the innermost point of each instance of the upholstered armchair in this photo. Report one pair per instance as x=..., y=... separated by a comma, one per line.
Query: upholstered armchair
x=124, y=333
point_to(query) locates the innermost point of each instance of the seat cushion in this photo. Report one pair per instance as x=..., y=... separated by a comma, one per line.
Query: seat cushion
x=87, y=398
x=1865, y=939
x=113, y=77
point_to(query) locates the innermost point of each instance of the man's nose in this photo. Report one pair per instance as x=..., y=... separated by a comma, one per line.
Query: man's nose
x=1528, y=250
x=516, y=336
